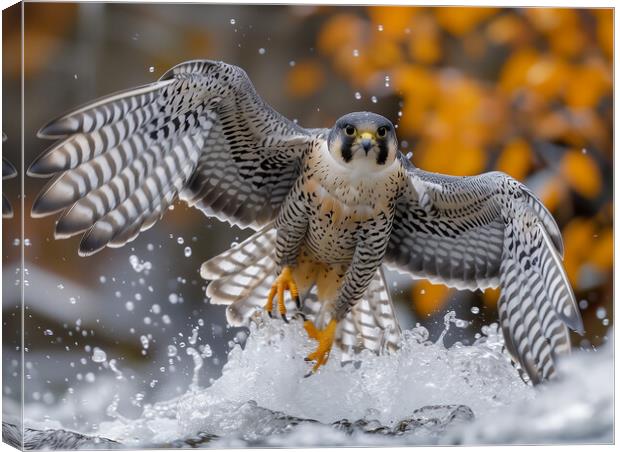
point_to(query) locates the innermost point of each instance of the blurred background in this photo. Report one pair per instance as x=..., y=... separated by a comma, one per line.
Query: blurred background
x=524, y=91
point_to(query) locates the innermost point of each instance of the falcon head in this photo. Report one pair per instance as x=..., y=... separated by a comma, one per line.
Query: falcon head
x=363, y=140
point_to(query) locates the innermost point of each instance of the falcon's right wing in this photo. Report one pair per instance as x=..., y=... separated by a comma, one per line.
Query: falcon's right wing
x=488, y=231
x=200, y=132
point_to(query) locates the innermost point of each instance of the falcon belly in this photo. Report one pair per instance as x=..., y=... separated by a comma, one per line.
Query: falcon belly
x=330, y=207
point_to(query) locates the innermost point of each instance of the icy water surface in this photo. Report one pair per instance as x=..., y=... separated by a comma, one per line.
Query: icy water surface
x=425, y=393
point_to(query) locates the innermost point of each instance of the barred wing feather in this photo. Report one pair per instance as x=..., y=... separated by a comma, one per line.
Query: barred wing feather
x=489, y=231
x=201, y=133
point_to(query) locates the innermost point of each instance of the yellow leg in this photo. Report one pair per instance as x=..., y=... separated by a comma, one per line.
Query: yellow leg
x=283, y=282
x=325, y=338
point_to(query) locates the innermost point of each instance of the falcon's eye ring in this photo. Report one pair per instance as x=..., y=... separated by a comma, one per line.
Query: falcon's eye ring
x=349, y=130
x=381, y=132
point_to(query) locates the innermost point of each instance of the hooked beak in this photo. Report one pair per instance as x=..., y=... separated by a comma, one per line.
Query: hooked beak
x=367, y=141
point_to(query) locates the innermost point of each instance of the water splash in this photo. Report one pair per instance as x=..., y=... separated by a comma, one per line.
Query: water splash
x=269, y=371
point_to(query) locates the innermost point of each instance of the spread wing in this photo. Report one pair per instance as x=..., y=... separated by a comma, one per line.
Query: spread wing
x=201, y=133
x=488, y=231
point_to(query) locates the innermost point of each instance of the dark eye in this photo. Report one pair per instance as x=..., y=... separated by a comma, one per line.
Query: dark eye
x=349, y=130
x=381, y=132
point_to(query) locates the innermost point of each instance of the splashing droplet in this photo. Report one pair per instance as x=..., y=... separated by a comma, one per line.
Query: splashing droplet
x=262, y=51
x=187, y=251
x=358, y=95
x=99, y=356
x=373, y=99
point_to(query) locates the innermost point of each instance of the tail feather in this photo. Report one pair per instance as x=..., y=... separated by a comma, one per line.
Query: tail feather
x=241, y=277
x=239, y=257
x=372, y=323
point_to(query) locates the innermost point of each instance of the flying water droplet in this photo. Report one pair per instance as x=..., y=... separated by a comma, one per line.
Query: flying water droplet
x=187, y=251
x=262, y=51
x=373, y=99
x=475, y=310
x=358, y=95
x=233, y=21
x=119, y=374
x=99, y=356
x=356, y=53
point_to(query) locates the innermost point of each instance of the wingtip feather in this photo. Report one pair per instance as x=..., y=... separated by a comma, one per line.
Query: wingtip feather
x=58, y=128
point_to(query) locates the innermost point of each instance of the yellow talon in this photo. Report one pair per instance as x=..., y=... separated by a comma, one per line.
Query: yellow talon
x=325, y=338
x=283, y=282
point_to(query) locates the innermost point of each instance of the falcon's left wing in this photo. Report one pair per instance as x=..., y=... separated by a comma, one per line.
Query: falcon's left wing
x=488, y=231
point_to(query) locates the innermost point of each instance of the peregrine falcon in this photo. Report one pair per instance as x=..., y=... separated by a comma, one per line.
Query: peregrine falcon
x=330, y=207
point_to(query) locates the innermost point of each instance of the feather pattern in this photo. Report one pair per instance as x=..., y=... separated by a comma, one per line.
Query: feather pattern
x=200, y=133
x=371, y=324
x=488, y=231
x=242, y=276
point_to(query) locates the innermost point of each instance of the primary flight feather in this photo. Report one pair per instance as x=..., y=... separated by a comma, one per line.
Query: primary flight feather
x=330, y=207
